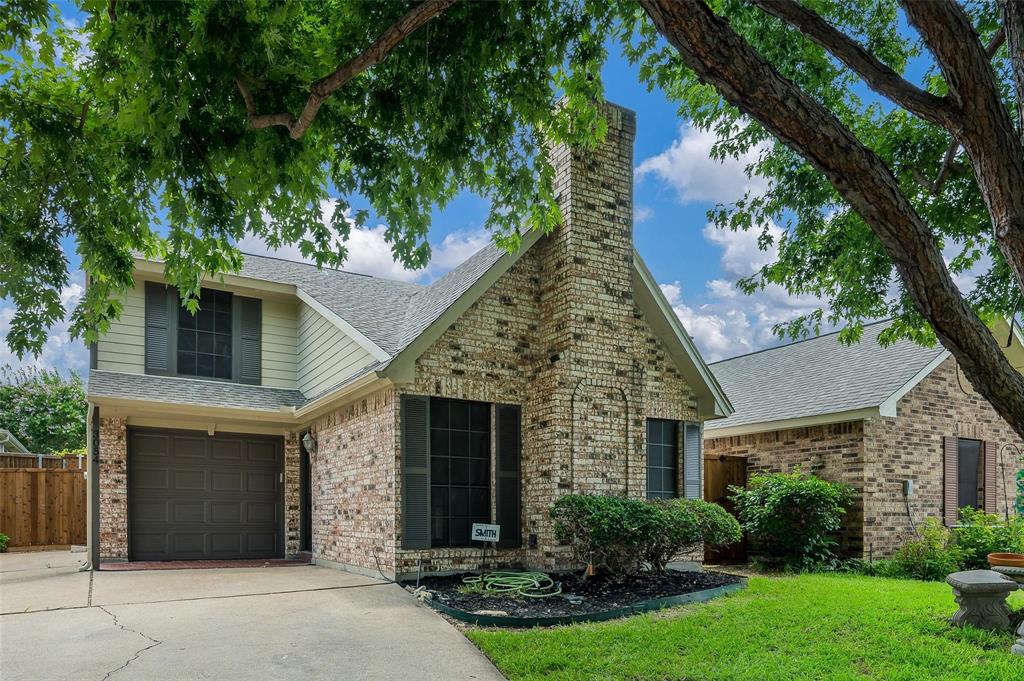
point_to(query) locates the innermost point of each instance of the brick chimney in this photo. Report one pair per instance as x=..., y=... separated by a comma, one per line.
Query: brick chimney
x=586, y=377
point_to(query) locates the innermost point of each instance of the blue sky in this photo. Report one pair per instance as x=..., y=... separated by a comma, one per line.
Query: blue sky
x=676, y=183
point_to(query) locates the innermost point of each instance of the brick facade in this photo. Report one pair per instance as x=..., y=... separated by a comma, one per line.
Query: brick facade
x=877, y=454
x=910, y=446
x=113, y=471
x=560, y=335
x=353, y=483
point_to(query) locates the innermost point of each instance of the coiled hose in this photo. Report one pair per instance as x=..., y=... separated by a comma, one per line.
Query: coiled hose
x=528, y=584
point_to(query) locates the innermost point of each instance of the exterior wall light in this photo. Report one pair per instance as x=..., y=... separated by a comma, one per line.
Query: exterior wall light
x=309, y=442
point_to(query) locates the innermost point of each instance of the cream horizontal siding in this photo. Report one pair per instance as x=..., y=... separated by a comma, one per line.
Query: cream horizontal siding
x=326, y=355
x=278, y=364
x=123, y=347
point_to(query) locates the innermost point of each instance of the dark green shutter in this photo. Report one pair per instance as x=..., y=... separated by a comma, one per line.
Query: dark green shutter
x=249, y=327
x=160, y=325
x=415, y=472
x=693, y=459
x=508, y=487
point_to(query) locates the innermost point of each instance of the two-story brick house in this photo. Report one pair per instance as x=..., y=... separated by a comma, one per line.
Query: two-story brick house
x=371, y=422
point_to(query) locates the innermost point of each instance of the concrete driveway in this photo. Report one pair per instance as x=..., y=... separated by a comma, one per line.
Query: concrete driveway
x=301, y=622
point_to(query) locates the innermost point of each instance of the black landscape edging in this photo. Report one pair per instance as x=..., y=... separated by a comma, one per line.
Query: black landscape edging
x=635, y=609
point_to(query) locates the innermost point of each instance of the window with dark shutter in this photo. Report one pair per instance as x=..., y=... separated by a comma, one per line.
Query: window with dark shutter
x=508, y=490
x=969, y=473
x=693, y=460
x=250, y=327
x=415, y=472
x=159, y=325
x=460, y=469
x=205, y=347
x=662, y=459
x=950, y=498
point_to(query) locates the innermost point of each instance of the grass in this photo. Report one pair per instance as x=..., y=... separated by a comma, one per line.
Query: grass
x=831, y=627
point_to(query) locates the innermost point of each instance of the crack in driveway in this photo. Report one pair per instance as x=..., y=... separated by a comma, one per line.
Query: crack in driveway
x=153, y=643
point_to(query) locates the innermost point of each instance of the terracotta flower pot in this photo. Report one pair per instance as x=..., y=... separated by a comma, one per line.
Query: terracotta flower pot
x=1006, y=559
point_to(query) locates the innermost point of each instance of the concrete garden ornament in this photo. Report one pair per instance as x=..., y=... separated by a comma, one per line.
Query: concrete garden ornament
x=981, y=595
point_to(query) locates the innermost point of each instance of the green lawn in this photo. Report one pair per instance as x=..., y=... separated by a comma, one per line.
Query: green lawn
x=806, y=627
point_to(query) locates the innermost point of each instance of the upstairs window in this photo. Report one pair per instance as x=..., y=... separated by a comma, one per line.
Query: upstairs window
x=204, y=339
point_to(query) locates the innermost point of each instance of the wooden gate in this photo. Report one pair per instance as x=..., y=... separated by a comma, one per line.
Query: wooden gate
x=719, y=473
x=43, y=506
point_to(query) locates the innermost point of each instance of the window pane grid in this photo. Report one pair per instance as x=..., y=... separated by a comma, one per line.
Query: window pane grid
x=204, y=339
x=662, y=459
x=460, y=469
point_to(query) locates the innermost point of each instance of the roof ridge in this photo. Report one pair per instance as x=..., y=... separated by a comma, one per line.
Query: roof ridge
x=792, y=343
x=328, y=268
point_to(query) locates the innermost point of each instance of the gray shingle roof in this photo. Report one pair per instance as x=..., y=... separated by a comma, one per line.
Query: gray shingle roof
x=817, y=376
x=191, y=391
x=392, y=314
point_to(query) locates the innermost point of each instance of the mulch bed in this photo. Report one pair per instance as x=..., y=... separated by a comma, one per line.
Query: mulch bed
x=599, y=595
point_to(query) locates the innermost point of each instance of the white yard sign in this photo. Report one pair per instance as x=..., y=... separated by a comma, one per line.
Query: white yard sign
x=484, y=532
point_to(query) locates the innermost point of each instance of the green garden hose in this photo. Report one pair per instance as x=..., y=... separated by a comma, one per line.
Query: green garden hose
x=528, y=584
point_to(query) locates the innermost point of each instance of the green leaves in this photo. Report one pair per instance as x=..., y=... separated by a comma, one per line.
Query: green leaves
x=163, y=160
x=44, y=410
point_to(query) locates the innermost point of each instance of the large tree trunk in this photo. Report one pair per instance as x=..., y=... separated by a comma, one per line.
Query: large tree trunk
x=721, y=57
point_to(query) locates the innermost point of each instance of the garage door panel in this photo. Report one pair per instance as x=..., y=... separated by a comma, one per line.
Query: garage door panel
x=155, y=511
x=146, y=478
x=189, y=480
x=261, y=452
x=222, y=543
x=228, y=512
x=192, y=543
x=260, y=542
x=227, y=481
x=195, y=496
x=257, y=512
x=260, y=481
x=227, y=450
x=188, y=511
x=189, y=447
x=145, y=445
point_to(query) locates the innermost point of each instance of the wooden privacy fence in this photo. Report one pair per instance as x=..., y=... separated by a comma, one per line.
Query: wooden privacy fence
x=43, y=506
x=18, y=460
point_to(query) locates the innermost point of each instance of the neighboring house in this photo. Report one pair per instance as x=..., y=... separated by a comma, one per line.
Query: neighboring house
x=873, y=417
x=10, y=444
x=481, y=397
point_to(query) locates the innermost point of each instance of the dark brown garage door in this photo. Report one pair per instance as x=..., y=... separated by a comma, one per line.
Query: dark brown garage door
x=192, y=496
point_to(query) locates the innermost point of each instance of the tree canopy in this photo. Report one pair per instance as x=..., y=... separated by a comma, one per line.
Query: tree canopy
x=222, y=119
x=43, y=409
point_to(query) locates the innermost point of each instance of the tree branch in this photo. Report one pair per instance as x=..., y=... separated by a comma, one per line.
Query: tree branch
x=323, y=88
x=954, y=146
x=875, y=73
x=1013, y=24
x=987, y=133
x=720, y=56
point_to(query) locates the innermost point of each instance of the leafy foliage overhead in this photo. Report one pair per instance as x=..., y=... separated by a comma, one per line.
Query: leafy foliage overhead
x=143, y=126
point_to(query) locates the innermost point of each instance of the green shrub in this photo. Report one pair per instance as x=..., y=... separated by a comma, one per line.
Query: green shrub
x=980, y=534
x=792, y=516
x=931, y=557
x=686, y=524
x=879, y=568
x=619, y=535
x=4, y=540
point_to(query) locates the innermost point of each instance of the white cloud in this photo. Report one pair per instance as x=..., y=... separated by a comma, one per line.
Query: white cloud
x=59, y=351
x=370, y=253
x=642, y=213
x=732, y=323
x=687, y=166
